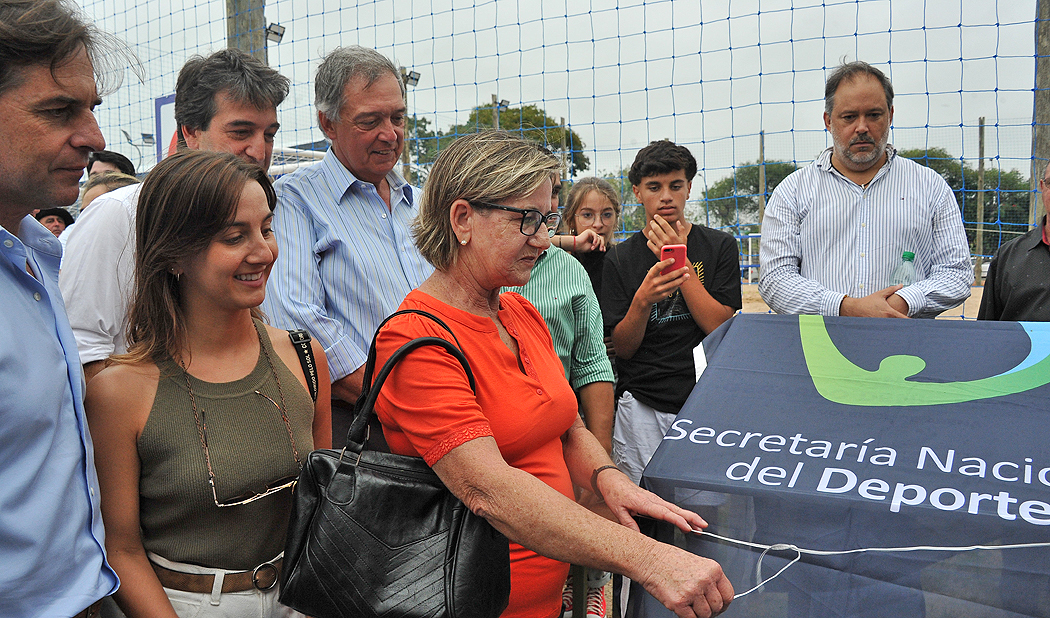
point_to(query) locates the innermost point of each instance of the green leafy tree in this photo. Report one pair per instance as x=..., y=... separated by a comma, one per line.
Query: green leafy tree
x=733, y=201
x=422, y=145
x=632, y=215
x=1006, y=196
x=530, y=121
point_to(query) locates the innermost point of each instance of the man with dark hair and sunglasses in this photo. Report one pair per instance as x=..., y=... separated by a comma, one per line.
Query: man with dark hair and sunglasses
x=102, y=161
x=342, y=225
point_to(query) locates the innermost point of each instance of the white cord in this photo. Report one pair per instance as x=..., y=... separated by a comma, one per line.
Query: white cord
x=817, y=552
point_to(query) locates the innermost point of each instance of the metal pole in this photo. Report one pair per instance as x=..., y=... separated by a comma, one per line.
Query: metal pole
x=495, y=112
x=406, y=167
x=1041, y=113
x=761, y=176
x=564, y=150
x=979, y=244
x=246, y=27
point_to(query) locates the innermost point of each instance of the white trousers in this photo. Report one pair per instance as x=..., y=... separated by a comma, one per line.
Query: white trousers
x=639, y=429
x=247, y=604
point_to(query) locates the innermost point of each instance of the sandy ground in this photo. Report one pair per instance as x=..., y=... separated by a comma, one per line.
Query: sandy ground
x=968, y=310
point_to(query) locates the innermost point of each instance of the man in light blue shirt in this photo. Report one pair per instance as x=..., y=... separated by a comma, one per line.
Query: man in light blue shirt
x=52, y=545
x=835, y=230
x=347, y=258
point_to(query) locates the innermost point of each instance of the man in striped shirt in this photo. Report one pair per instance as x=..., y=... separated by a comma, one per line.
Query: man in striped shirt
x=225, y=102
x=342, y=225
x=835, y=230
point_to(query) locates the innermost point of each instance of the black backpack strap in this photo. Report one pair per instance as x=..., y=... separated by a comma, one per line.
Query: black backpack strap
x=301, y=343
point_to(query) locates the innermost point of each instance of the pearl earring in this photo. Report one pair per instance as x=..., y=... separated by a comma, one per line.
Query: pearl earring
x=463, y=242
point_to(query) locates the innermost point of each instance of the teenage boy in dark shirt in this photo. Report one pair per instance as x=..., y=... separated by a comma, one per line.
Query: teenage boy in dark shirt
x=657, y=320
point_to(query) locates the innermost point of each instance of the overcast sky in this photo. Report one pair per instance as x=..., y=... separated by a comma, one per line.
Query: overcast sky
x=707, y=74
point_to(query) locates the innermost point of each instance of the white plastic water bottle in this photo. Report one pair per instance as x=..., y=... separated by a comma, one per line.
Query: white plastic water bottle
x=904, y=274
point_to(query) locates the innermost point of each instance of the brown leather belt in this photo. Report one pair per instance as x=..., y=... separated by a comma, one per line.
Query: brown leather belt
x=263, y=577
x=92, y=610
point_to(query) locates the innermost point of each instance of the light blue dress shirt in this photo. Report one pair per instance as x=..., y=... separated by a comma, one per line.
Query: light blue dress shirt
x=345, y=260
x=52, y=556
x=825, y=237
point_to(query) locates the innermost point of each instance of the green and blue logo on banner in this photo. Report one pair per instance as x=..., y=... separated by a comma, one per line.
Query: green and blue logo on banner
x=838, y=379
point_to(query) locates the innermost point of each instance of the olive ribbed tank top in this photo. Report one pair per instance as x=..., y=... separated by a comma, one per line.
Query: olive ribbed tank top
x=249, y=448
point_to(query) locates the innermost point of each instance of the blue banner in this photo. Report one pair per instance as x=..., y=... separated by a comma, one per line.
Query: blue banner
x=844, y=437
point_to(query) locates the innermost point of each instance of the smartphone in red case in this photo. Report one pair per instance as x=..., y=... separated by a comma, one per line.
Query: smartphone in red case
x=678, y=252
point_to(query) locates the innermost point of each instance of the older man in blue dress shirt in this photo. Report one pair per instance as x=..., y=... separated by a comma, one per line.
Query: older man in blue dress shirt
x=342, y=225
x=52, y=556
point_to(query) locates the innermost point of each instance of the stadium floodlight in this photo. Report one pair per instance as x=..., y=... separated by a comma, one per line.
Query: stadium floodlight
x=137, y=147
x=411, y=78
x=275, y=32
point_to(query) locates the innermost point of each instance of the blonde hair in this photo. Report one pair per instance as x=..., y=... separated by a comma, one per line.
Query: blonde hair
x=109, y=180
x=579, y=191
x=490, y=166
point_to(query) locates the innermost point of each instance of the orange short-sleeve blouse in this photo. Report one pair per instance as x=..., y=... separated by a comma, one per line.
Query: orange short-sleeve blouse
x=427, y=409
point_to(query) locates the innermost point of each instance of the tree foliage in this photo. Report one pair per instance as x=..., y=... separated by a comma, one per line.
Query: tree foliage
x=1006, y=196
x=734, y=200
x=422, y=145
x=529, y=121
x=632, y=215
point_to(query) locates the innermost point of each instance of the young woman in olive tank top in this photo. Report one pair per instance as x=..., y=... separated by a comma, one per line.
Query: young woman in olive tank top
x=201, y=427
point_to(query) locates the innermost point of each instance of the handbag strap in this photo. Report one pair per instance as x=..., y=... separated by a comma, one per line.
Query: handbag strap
x=371, y=361
x=301, y=342
x=364, y=409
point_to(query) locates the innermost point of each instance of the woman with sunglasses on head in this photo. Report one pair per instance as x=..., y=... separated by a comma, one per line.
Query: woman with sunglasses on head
x=512, y=449
x=204, y=424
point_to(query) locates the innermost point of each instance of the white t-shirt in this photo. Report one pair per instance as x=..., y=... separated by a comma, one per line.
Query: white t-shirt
x=98, y=273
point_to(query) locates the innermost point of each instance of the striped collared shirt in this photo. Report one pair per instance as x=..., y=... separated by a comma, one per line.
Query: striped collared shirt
x=561, y=291
x=346, y=261
x=825, y=237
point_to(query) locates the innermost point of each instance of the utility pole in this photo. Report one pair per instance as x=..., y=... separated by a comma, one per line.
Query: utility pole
x=979, y=244
x=1041, y=113
x=761, y=176
x=408, y=78
x=246, y=27
x=564, y=150
x=406, y=165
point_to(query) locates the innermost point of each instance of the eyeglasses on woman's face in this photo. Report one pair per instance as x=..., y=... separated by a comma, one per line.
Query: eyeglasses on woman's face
x=531, y=219
x=588, y=216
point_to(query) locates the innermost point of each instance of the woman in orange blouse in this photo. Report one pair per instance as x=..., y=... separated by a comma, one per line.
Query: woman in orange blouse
x=513, y=451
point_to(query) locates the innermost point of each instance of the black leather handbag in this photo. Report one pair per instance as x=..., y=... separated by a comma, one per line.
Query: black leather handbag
x=376, y=534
